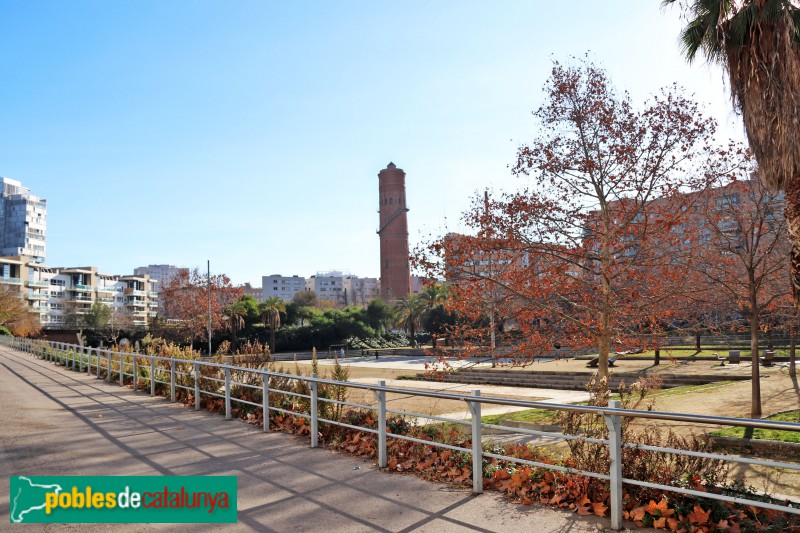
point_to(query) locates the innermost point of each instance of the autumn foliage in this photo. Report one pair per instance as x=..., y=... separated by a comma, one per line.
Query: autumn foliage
x=584, y=255
x=185, y=306
x=524, y=483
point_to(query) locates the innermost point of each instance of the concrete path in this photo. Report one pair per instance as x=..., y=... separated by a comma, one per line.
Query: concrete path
x=58, y=422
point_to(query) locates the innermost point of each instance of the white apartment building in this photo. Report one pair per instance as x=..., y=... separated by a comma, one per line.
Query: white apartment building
x=284, y=287
x=345, y=289
x=162, y=274
x=327, y=286
x=23, y=222
x=61, y=295
x=359, y=291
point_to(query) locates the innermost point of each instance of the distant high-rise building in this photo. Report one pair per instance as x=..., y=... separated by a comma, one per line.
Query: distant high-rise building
x=284, y=287
x=393, y=232
x=23, y=222
x=327, y=286
x=163, y=274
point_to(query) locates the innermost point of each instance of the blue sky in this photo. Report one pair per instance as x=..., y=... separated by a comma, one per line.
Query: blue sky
x=251, y=133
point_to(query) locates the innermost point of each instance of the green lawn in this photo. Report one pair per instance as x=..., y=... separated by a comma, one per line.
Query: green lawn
x=684, y=389
x=766, y=434
x=536, y=416
x=706, y=353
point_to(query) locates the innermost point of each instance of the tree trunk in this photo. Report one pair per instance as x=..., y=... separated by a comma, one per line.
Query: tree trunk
x=658, y=357
x=605, y=315
x=697, y=340
x=792, y=214
x=272, y=340
x=792, y=353
x=755, y=407
x=491, y=335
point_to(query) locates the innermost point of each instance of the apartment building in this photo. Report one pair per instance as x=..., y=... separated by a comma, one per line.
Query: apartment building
x=284, y=287
x=23, y=222
x=60, y=296
x=342, y=288
x=359, y=291
x=327, y=286
x=255, y=292
x=162, y=274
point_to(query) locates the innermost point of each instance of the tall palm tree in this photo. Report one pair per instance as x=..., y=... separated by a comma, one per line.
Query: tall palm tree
x=410, y=311
x=757, y=42
x=271, y=310
x=434, y=296
x=235, y=313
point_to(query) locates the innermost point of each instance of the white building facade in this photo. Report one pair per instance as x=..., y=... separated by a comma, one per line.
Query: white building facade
x=23, y=222
x=60, y=296
x=162, y=274
x=284, y=287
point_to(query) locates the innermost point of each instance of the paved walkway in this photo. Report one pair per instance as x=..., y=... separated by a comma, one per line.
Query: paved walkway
x=58, y=422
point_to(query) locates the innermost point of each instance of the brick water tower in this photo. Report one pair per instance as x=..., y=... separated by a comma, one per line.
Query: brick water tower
x=393, y=232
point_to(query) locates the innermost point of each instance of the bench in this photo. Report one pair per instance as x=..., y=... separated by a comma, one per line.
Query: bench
x=594, y=363
x=734, y=357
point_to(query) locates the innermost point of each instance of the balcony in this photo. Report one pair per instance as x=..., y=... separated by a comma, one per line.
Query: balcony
x=106, y=300
x=135, y=303
x=38, y=283
x=79, y=287
x=11, y=281
x=105, y=289
x=81, y=298
x=139, y=322
x=37, y=296
x=134, y=292
x=152, y=313
x=152, y=295
x=152, y=304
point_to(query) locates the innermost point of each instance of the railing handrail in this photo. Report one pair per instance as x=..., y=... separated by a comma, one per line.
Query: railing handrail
x=589, y=409
x=73, y=355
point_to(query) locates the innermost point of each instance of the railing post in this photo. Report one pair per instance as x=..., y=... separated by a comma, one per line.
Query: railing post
x=227, y=393
x=121, y=369
x=135, y=372
x=615, y=453
x=80, y=360
x=88, y=362
x=265, y=401
x=314, y=421
x=381, y=397
x=196, y=387
x=172, y=380
x=477, y=444
x=152, y=376
x=108, y=374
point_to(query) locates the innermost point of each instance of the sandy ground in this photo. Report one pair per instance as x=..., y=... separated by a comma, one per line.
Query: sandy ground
x=778, y=391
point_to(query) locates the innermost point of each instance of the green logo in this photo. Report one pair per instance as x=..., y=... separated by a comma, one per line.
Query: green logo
x=128, y=499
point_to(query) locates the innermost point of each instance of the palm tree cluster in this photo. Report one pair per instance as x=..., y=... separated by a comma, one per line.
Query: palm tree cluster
x=411, y=311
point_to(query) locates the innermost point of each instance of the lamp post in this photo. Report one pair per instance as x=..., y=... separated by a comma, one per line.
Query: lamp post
x=209, y=307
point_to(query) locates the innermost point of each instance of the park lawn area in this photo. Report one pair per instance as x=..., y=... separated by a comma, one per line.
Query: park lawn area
x=686, y=389
x=766, y=434
x=706, y=353
x=536, y=416
x=545, y=416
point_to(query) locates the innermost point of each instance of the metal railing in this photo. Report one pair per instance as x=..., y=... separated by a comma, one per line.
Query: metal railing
x=168, y=372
